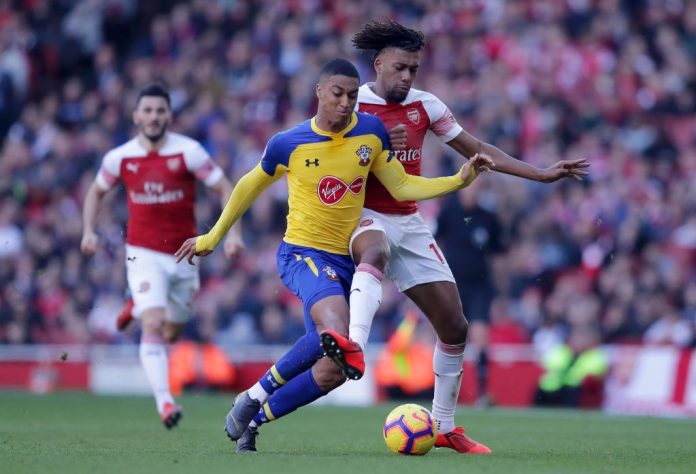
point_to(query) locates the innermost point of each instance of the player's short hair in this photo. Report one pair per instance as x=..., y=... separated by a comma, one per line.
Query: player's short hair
x=154, y=90
x=339, y=66
x=378, y=35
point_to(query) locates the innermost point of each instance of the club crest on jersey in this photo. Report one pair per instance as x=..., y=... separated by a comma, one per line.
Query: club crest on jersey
x=366, y=223
x=332, y=189
x=173, y=164
x=364, y=153
x=413, y=115
x=330, y=273
x=132, y=167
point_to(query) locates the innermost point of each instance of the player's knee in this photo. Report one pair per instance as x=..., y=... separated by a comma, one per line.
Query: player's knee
x=170, y=336
x=377, y=256
x=153, y=327
x=455, y=332
x=373, y=249
x=171, y=332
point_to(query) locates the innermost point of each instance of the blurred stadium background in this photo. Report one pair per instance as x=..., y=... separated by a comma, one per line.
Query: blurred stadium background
x=608, y=80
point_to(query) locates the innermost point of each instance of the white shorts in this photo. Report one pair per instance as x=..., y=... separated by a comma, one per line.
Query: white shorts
x=157, y=281
x=415, y=256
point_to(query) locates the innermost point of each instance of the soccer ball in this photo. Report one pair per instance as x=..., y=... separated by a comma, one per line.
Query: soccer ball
x=410, y=429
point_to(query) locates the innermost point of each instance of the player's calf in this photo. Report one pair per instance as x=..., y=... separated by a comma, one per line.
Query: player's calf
x=345, y=353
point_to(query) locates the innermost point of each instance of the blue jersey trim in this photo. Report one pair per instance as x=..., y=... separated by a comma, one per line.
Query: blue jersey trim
x=281, y=145
x=370, y=125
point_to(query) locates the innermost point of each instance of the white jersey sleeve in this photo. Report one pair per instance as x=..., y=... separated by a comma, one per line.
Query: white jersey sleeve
x=199, y=163
x=442, y=121
x=110, y=170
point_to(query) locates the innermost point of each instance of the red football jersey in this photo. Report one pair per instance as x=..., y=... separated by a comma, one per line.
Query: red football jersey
x=160, y=188
x=419, y=112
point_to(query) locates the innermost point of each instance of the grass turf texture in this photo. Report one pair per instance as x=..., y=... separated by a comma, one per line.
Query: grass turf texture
x=79, y=433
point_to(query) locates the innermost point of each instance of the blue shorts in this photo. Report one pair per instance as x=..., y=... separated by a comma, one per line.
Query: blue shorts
x=313, y=274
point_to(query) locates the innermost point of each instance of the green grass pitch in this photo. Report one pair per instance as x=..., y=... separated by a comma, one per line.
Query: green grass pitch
x=78, y=433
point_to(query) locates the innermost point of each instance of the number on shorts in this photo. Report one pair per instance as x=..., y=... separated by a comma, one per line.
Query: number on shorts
x=437, y=253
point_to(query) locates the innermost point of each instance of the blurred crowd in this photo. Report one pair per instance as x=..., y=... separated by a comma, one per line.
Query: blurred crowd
x=608, y=80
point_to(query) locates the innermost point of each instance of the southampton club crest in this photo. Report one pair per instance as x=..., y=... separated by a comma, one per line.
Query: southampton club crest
x=330, y=273
x=364, y=153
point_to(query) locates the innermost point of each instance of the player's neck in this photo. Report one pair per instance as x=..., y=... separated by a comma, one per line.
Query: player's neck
x=379, y=90
x=331, y=126
x=150, y=145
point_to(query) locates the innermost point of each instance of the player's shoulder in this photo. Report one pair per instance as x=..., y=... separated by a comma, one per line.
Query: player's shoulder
x=178, y=143
x=418, y=95
x=130, y=149
x=367, y=96
x=367, y=124
x=281, y=145
x=294, y=136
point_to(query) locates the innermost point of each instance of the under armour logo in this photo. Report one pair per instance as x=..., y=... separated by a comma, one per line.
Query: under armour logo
x=310, y=162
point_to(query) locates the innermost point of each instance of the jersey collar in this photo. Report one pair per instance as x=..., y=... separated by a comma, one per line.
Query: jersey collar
x=351, y=125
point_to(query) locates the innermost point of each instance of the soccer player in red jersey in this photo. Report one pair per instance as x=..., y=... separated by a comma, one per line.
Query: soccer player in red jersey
x=392, y=236
x=159, y=170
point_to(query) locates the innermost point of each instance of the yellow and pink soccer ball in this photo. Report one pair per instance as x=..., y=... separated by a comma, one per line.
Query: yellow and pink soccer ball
x=410, y=429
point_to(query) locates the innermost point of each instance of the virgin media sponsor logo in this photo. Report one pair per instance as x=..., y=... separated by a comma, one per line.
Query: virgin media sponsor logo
x=332, y=189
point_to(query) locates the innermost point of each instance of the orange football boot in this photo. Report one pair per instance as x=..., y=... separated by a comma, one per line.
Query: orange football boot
x=345, y=353
x=457, y=440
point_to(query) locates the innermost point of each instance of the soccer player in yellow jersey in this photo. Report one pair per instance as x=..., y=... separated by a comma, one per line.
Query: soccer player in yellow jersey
x=327, y=160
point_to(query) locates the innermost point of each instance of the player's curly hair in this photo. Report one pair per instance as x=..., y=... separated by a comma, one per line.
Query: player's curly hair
x=377, y=35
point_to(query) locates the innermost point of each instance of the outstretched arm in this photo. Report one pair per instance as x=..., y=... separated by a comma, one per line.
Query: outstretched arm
x=406, y=187
x=468, y=145
x=245, y=192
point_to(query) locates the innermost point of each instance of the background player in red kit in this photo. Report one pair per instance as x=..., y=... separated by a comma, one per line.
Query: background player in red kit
x=159, y=170
x=392, y=236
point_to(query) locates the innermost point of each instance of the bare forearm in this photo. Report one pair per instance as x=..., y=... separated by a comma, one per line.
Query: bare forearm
x=504, y=163
x=90, y=208
x=467, y=145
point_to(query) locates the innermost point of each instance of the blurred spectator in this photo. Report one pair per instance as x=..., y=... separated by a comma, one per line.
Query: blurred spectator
x=404, y=369
x=471, y=236
x=609, y=81
x=574, y=371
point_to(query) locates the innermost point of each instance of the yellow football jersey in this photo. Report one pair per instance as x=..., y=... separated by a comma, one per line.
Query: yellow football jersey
x=326, y=174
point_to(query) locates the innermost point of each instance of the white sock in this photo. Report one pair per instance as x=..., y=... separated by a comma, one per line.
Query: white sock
x=153, y=357
x=447, y=365
x=258, y=393
x=365, y=297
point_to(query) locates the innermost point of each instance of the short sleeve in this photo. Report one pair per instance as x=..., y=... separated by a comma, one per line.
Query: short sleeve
x=442, y=121
x=199, y=163
x=110, y=171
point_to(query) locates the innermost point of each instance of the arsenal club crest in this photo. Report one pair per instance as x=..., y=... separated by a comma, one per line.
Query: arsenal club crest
x=413, y=115
x=364, y=153
x=173, y=164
